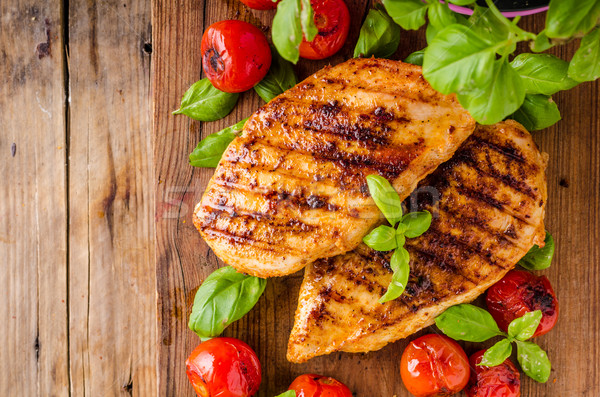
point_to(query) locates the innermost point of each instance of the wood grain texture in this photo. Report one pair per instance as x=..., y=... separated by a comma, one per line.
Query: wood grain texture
x=111, y=279
x=33, y=210
x=183, y=259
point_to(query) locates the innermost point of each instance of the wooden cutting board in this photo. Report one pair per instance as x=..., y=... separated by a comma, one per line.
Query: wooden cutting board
x=183, y=260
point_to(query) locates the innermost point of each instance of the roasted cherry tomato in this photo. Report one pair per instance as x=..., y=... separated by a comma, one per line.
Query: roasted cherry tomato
x=235, y=55
x=434, y=365
x=224, y=367
x=500, y=381
x=332, y=19
x=261, y=4
x=311, y=385
x=520, y=292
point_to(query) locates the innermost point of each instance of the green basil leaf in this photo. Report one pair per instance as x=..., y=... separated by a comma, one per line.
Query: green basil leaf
x=379, y=35
x=416, y=58
x=224, y=297
x=502, y=96
x=386, y=198
x=539, y=258
x=400, y=237
x=209, y=151
x=496, y=354
x=399, y=264
x=569, y=18
x=486, y=23
x=458, y=60
x=534, y=361
x=440, y=15
x=289, y=393
x=462, y=2
x=541, y=42
x=280, y=78
x=585, y=65
x=537, y=112
x=430, y=32
x=543, y=73
x=204, y=102
x=467, y=322
x=416, y=223
x=383, y=238
x=410, y=14
x=293, y=20
x=524, y=327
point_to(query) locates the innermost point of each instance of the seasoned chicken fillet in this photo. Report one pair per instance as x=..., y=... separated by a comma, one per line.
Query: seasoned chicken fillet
x=488, y=213
x=292, y=189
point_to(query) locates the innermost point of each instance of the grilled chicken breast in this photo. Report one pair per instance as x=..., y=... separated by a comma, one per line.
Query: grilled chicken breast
x=490, y=212
x=292, y=189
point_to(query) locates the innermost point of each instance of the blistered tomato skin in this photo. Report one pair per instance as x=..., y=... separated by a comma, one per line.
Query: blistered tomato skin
x=520, y=292
x=311, y=385
x=235, y=55
x=224, y=367
x=332, y=20
x=434, y=366
x=502, y=380
x=261, y=4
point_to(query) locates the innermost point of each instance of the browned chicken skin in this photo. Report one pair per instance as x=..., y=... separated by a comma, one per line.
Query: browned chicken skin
x=292, y=188
x=492, y=196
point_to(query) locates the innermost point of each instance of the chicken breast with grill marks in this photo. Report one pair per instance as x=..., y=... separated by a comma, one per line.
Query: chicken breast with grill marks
x=292, y=188
x=490, y=212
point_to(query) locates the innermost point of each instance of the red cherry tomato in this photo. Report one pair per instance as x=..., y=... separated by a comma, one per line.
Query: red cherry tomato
x=261, y=4
x=235, y=55
x=224, y=367
x=500, y=381
x=520, y=292
x=311, y=385
x=434, y=365
x=332, y=19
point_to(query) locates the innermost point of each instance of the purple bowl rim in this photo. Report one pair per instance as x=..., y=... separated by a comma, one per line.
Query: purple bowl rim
x=508, y=14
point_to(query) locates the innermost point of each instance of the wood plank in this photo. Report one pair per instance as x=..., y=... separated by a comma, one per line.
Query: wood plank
x=33, y=214
x=183, y=259
x=111, y=277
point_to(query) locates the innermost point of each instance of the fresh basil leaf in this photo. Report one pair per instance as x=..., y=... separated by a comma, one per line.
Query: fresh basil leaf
x=400, y=237
x=486, y=23
x=539, y=258
x=461, y=2
x=496, y=354
x=534, y=361
x=541, y=42
x=502, y=96
x=440, y=15
x=209, y=151
x=543, y=73
x=458, y=60
x=289, y=393
x=571, y=18
x=410, y=14
x=224, y=297
x=280, y=78
x=416, y=223
x=537, y=112
x=386, y=198
x=585, y=65
x=379, y=35
x=383, y=238
x=416, y=58
x=204, y=102
x=467, y=322
x=524, y=327
x=399, y=264
x=430, y=32
x=293, y=20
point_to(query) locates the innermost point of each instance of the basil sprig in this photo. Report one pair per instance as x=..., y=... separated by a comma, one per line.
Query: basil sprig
x=281, y=77
x=204, y=102
x=289, y=393
x=539, y=258
x=537, y=112
x=585, y=65
x=416, y=58
x=473, y=324
x=209, y=151
x=387, y=238
x=223, y=298
x=379, y=35
x=293, y=20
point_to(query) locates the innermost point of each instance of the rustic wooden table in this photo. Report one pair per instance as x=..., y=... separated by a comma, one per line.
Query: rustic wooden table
x=83, y=201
